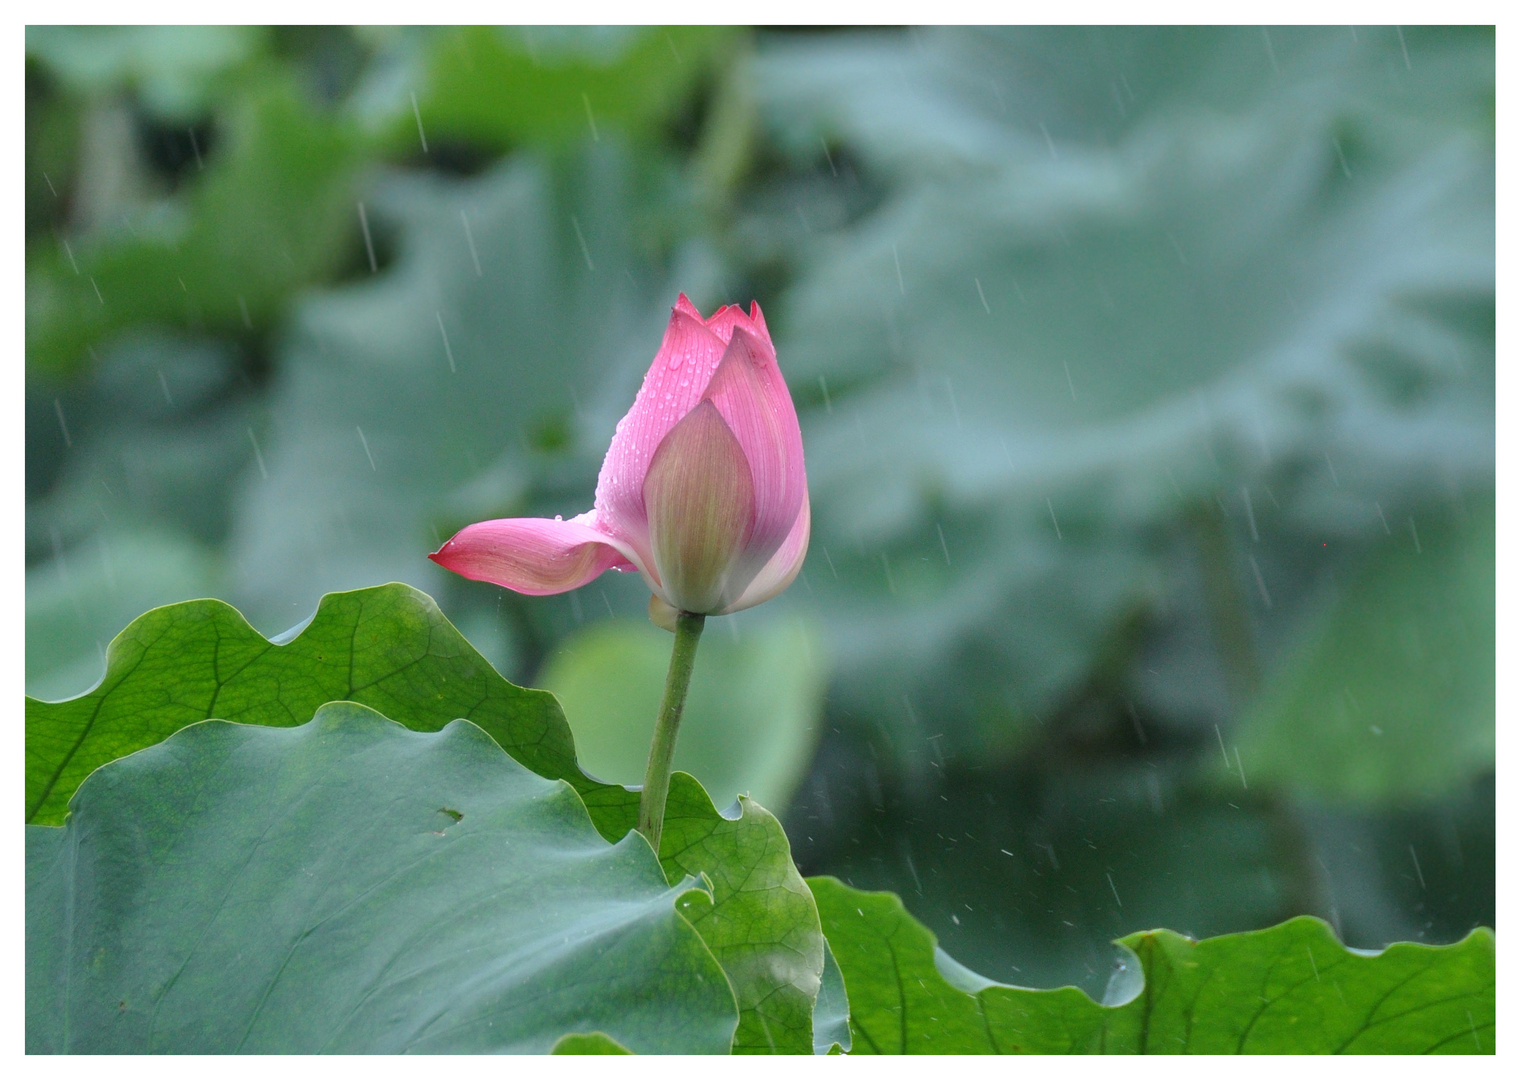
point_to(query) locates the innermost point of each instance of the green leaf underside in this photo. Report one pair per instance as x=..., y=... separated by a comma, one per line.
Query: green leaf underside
x=831, y=1013
x=1290, y=989
x=390, y=648
x=370, y=889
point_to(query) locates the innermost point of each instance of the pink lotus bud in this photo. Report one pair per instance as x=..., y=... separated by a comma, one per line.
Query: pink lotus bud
x=702, y=490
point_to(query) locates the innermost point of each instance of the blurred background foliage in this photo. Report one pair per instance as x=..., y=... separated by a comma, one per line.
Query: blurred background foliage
x=1146, y=379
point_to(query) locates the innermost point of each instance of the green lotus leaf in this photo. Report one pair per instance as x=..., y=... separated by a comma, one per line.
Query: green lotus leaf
x=1293, y=988
x=391, y=649
x=351, y=886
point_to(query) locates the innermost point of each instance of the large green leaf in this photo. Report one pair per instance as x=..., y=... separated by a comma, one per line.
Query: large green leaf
x=391, y=649
x=350, y=886
x=1394, y=698
x=751, y=718
x=387, y=647
x=1290, y=989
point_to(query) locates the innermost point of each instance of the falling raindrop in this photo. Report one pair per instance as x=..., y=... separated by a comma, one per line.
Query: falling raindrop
x=590, y=119
x=258, y=457
x=1267, y=601
x=470, y=242
x=447, y=351
x=581, y=239
x=1251, y=518
x=1053, y=518
x=64, y=427
x=369, y=244
x=827, y=157
x=1050, y=144
x=366, y=444
x=417, y=115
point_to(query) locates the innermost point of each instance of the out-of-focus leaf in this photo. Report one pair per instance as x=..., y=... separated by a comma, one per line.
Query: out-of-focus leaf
x=1394, y=698
x=751, y=717
x=493, y=88
x=129, y=475
x=152, y=440
x=391, y=649
x=349, y=886
x=1096, y=295
x=439, y=392
x=1290, y=989
x=78, y=603
x=272, y=213
x=179, y=70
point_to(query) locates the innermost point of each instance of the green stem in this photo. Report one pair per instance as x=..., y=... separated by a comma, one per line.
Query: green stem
x=657, y=775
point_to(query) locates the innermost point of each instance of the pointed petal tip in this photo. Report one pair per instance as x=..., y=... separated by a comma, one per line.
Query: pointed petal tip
x=758, y=320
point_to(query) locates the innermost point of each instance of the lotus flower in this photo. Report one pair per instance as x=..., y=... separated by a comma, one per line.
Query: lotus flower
x=702, y=490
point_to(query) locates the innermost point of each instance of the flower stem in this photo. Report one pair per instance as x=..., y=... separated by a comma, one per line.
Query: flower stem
x=657, y=775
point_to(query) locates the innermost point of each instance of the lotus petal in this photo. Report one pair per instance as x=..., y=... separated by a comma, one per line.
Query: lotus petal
x=701, y=505
x=537, y=556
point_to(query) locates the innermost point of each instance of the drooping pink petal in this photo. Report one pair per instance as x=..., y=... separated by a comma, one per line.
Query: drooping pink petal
x=700, y=499
x=674, y=384
x=537, y=556
x=783, y=567
x=751, y=396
